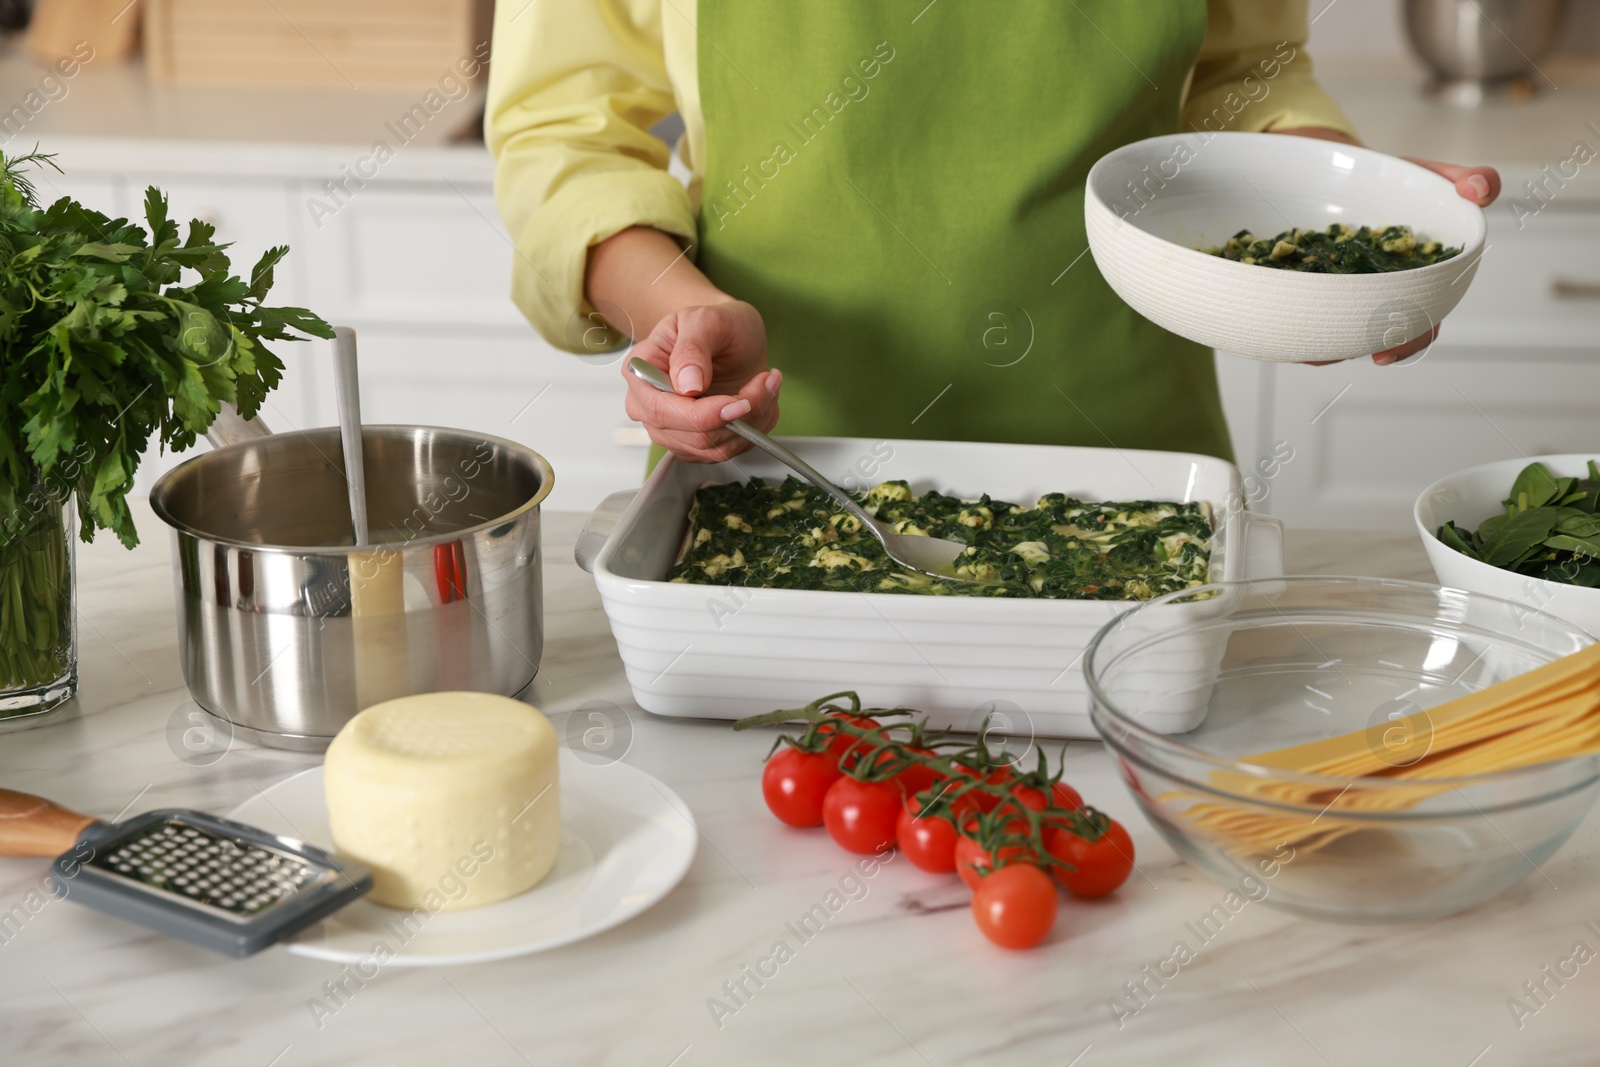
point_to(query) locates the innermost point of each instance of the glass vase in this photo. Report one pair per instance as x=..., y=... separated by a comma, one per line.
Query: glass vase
x=38, y=620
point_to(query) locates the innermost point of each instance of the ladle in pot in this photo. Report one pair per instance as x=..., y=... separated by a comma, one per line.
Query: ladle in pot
x=229, y=428
x=347, y=394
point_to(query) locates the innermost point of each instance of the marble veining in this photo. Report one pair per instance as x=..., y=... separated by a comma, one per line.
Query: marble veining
x=897, y=976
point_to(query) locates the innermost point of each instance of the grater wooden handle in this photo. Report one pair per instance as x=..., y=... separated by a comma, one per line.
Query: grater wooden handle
x=33, y=826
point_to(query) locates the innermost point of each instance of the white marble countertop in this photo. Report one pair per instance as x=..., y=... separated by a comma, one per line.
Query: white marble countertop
x=900, y=977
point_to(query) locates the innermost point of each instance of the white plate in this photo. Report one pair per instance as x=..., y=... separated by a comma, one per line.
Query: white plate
x=626, y=840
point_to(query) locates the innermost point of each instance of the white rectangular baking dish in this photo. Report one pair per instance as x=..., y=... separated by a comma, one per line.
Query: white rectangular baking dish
x=726, y=652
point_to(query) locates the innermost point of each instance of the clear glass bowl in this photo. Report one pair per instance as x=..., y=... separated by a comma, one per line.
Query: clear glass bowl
x=1186, y=687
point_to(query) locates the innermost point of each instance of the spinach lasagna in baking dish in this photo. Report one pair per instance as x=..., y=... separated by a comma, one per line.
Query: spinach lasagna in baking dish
x=793, y=536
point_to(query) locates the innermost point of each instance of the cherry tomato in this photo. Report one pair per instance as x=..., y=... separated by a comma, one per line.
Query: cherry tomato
x=1066, y=797
x=1015, y=906
x=1102, y=864
x=1062, y=796
x=794, y=784
x=918, y=777
x=997, y=778
x=929, y=843
x=973, y=862
x=862, y=816
x=842, y=743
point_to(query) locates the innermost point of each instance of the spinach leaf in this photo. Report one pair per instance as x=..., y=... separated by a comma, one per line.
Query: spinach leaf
x=1550, y=528
x=1458, y=539
x=1520, y=536
x=1533, y=488
x=1589, y=546
x=1579, y=525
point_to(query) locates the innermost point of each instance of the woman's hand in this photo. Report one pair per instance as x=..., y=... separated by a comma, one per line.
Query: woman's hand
x=713, y=347
x=1481, y=185
x=716, y=356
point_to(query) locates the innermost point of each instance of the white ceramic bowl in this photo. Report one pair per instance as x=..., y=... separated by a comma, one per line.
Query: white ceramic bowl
x=1472, y=495
x=1152, y=203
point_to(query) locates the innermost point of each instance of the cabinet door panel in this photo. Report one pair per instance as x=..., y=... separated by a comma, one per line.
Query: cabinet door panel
x=1367, y=440
x=405, y=254
x=1536, y=285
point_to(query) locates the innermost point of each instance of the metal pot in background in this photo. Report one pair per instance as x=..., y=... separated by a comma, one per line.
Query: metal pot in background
x=287, y=631
x=1482, y=49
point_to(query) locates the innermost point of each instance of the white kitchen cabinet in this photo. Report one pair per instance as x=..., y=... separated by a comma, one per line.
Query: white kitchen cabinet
x=103, y=192
x=423, y=272
x=1364, y=441
x=1538, y=287
x=1516, y=372
x=251, y=215
x=421, y=269
x=424, y=254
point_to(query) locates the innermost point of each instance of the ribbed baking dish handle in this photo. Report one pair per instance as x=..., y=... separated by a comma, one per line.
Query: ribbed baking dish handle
x=1263, y=546
x=598, y=529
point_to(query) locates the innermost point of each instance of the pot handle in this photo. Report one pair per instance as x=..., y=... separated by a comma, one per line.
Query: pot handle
x=229, y=427
x=1263, y=546
x=598, y=529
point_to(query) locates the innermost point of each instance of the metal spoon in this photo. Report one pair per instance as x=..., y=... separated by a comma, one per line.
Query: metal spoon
x=347, y=394
x=933, y=556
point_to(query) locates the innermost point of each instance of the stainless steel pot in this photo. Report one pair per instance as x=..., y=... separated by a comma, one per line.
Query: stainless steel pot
x=287, y=631
x=1482, y=48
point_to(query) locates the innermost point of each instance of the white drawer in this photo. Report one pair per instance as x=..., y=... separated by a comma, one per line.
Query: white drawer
x=102, y=192
x=252, y=216
x=412, y=254
x=1537, y=285
x=1364, y=441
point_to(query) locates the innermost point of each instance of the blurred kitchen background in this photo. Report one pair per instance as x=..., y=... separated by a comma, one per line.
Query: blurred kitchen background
x=262, y=116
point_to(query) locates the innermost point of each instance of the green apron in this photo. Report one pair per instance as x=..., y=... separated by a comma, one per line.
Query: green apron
x=898, y=187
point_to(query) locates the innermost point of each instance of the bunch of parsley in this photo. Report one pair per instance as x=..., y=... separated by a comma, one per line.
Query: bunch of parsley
x=112, y=335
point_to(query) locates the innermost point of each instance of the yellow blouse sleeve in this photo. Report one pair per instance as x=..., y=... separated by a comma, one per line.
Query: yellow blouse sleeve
x=574, y=89
x=1253, y=73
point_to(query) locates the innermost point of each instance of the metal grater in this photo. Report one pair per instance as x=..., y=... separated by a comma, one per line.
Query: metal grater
x=218, y=883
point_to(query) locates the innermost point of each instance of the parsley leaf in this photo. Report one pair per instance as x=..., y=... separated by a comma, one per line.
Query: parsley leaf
x=117, y=335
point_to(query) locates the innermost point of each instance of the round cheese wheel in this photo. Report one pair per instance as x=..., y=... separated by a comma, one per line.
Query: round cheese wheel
x=451, y=798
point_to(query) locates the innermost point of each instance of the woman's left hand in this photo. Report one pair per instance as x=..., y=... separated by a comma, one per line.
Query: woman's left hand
x=1481, y=185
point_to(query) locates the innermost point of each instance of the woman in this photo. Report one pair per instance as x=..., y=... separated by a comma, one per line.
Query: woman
x=885, y=219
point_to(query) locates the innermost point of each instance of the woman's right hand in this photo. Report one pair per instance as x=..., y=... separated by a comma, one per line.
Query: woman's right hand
x=716, y=357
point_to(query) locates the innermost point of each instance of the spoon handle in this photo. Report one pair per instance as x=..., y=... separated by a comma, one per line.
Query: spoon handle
x=648, y=372
x=347, y=394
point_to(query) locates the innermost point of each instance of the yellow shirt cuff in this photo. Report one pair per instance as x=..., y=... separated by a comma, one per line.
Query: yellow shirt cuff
x=553, y=248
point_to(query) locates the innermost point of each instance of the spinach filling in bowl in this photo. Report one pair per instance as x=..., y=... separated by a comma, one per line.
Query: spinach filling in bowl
x=1339, y=249
x=793, y=536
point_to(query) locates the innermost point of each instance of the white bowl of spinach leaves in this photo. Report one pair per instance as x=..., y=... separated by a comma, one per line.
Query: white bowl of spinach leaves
x=1525, y=530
